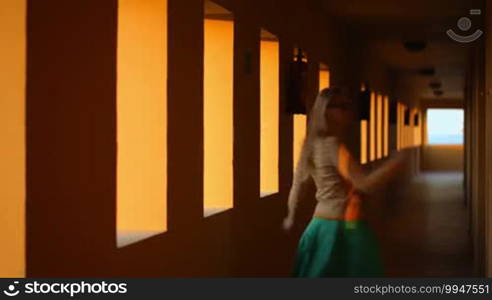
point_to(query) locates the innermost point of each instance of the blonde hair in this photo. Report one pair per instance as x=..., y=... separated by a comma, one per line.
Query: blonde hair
x=317, y=127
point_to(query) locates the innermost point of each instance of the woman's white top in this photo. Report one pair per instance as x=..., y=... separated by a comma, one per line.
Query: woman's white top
x=331, y=188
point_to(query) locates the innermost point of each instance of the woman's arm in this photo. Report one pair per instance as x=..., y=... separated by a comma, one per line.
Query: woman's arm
x=367, y=184
x=298, y=188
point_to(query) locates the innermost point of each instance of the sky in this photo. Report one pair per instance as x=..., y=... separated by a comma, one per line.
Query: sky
x=445, y=126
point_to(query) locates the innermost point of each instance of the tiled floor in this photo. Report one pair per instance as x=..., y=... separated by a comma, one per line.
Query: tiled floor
x=425, y=233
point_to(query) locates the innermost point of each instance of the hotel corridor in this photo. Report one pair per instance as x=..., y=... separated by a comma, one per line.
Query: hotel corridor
x=159, y=138
x=428, y=232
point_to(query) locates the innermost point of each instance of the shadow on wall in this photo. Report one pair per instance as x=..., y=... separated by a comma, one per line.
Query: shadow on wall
x=442, y=158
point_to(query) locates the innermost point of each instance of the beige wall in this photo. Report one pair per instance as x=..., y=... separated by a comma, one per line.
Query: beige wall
x=71, y=138
x=442, y=158
x=476, y=152
x=488, y=146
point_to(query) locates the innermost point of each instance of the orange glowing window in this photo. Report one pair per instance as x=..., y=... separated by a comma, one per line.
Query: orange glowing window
x=269, y=110
x=402, y=127
x=299, y=135
x=379, y=122
x=12, y=131
x=412, y=127
x=363, y=141
x=401, y=131
x=300, y=120
x=372, y=128
x=363, y=133
x=142, y=118
x=386, y=127
x=218, y=109
x=324, y=77
x=398, y=126
x=403, y=123
x=417, y=128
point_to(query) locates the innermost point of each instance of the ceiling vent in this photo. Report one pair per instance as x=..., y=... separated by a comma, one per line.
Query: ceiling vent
x=438, y=93
x=427, y=71
x=415, y=46
x=435, y=85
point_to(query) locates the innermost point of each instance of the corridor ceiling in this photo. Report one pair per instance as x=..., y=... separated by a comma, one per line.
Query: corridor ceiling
x=385, y=24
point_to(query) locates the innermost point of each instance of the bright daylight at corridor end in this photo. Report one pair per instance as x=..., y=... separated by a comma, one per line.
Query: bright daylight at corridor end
x=246, y=138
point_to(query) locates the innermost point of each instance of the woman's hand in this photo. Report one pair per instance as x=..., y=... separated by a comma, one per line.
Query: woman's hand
x=288, y=223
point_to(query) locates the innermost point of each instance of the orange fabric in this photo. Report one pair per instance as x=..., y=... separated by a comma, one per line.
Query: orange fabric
x=353, y=209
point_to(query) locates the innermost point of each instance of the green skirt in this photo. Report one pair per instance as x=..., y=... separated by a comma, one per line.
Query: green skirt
x=332, y=248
